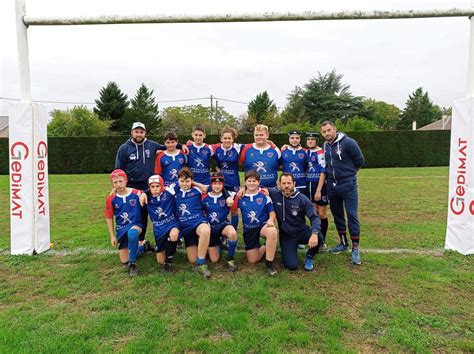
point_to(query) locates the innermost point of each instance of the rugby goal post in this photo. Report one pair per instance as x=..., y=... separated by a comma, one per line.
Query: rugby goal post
x=28, y=148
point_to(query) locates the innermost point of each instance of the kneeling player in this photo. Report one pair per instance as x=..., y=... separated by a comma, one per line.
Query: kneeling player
x=258, y=217
x=217, y=206
x=192, y=222
x=124, y=204
x=161, y=209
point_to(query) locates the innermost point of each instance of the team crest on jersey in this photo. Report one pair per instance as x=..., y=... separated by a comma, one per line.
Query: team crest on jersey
x=230, y=153
x=270, y=154
x=222, y=202
x=301, y=156
x=132, y=202
x=181, y=160
x=147, y=152
x=259, y=200
x=204, y=152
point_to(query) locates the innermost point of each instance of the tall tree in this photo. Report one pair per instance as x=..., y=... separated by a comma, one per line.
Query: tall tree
x=382, y=114
x=294, y=112
x=112, y=104
x=143, y=108
x=78, y=121
x=419, y=108
x=261, y=107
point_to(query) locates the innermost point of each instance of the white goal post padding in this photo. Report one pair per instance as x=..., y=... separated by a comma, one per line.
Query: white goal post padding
x=29, y=192
x=460, y=228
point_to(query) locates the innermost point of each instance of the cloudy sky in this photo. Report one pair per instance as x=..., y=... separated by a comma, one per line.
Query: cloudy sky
x=382, y=59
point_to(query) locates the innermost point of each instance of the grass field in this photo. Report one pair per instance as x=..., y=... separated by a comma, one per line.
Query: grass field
x=79, y=299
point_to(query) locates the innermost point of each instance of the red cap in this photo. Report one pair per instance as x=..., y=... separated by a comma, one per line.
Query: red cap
x=118, y=173
x=157, y=179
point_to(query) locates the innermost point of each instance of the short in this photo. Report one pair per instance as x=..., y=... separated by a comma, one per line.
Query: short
x=190, y=235
x=123, y=239
x=311, y=191
x=216, y=234
x=252, y=238
x=161, y=241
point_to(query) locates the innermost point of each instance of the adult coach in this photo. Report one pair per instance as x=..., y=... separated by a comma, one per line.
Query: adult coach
x=292, y=208
x=343, y=159
x=137, y=158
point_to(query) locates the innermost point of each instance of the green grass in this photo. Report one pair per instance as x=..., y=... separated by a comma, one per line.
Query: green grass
x=393, y=302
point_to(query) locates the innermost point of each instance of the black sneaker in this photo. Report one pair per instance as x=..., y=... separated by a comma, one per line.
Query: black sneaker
x=132, y=269
x=271, y=270
x=148, y=247
x=232, y=266
x=180, y=244
x=166, y=268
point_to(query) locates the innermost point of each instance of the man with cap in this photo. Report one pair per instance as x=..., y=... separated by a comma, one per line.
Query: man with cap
x=315, y=180
x=293, y=159
x=137, y=158
x=343, y=159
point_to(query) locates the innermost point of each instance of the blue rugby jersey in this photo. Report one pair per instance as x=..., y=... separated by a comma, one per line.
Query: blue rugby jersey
x=188, y=207
x=168, y=165
x=216, y=210
x=255, y=209
x=264, y=161
x=162, y=213
x=199, y=161
x=316, y=164
x=294, y=161
x=228, y=163
x=126, y=209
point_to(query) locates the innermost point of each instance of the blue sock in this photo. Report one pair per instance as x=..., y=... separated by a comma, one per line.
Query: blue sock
x=234, y=220
x=141, y=249
x=232, y=245
x=200, y=261
x=132, y=245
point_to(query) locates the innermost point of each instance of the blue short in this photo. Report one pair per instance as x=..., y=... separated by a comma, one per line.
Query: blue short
x=190, y=236
x=311, y=191
x=252, y=238
x=216, y=234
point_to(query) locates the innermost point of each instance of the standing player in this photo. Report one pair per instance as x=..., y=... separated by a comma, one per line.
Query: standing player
x=262, y=157
x=169, y=162
x=344, y=158
x=294, y=159
x=258, y=218
x=161, y=208
x=192, y=222
x=217, y=206
x=125, y=206
x=315, y=179
x=199, y=158
x=227, y=155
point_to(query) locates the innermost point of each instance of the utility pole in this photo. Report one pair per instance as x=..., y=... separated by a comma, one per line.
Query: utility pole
x=217, y=117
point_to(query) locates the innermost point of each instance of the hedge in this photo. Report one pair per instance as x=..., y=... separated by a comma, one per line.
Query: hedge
x=381, y=149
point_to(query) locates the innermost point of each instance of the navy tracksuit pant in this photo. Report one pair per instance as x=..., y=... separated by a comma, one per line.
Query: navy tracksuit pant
x=289, y=247
x=343, y=196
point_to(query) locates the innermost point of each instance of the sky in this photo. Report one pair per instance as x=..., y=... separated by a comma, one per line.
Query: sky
x=381, y=59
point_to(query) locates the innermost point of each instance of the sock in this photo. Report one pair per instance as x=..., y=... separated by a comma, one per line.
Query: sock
x=232, y=245
x=311, y=252
x=234, y=220
x=170, y=250
x=200, y=261
x=132, y=245
x=268, y=263
x=355, y=241
x=324, y=228
x=343, y=237
x=141, y=249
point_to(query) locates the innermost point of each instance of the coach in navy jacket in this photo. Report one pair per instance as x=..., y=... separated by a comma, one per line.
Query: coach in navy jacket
x=292, y=208
x=343, y=159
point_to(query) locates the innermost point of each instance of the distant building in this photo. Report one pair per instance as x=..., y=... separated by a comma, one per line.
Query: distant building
x=3, y=127
x=442, y=124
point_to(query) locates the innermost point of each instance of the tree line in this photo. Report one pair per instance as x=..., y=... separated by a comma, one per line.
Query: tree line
x=323, y=97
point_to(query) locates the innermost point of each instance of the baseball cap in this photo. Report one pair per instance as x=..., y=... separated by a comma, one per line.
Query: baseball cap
x=138, y=125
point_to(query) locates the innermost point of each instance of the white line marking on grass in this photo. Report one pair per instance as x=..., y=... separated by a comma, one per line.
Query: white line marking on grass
x=401, y=177
x=103, y=251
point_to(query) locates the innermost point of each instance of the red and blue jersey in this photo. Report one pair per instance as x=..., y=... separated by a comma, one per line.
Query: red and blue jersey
x=228, y=163
x=264, y=161
x=188, y=207
x=316, y=164
x=162, y=213
x=168, y=165
x=294, y=161
x=199, y=161
x=216, y=210
x=255, y=209
x=126, y=209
